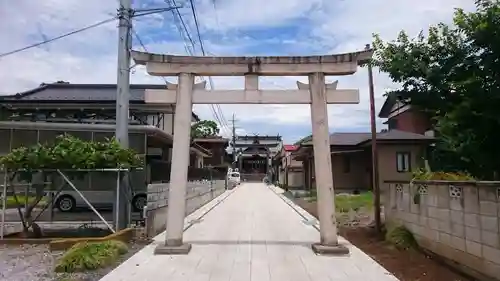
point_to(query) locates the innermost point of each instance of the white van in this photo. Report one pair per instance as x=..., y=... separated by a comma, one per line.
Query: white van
x=233, y=178
x=69, y=200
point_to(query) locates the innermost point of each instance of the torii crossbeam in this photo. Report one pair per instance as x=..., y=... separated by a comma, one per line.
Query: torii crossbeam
x=316, y=93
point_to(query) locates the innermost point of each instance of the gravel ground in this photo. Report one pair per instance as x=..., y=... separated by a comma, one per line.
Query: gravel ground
x=36, y=263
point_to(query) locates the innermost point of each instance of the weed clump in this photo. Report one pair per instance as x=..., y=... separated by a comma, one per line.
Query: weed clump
x=90, y=256
x=401, y=237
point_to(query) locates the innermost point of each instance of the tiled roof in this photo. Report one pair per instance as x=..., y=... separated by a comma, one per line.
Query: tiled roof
x=211, y=139
x=358, y=138
x=79, y=92
x=61, y=92
x=391, y=100
x=290, y=147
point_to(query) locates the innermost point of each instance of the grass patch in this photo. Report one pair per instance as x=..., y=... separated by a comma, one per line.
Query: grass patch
x=345, y=202
x=86, y=256
x=401, y=237
x=10, y=202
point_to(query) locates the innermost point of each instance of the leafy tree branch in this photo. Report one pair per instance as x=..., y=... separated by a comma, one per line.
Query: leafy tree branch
x=204, y=128
x=452, y=73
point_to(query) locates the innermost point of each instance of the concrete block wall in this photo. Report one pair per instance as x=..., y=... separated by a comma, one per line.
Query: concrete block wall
x=198, y=193
x=459, y=221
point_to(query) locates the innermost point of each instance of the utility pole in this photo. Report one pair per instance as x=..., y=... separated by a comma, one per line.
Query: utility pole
x=375, y=175
x=233, y=139
x=121, y=213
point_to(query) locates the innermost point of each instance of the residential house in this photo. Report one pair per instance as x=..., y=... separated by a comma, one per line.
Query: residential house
x=399, y=153
x=216, y=145
x=402, y=116
x=88, y=110
x=290, y=171
x=402, y=148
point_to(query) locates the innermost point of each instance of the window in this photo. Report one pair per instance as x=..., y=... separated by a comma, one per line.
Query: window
x=347, y=163
x=403, y=162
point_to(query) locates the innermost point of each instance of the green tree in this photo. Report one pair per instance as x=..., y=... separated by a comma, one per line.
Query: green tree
x=204, y=128
x=453, y=75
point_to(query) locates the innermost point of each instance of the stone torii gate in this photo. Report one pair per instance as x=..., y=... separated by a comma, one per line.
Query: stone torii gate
x=317, y=94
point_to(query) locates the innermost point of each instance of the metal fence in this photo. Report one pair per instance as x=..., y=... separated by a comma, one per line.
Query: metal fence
x=63, y=198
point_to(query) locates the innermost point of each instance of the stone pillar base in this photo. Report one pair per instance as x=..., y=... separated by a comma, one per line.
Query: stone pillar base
x=336, y=250
x=164, y=249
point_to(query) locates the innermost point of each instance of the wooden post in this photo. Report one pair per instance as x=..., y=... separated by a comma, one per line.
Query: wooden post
x=375, y=170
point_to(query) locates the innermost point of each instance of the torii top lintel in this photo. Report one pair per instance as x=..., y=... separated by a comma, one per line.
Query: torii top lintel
x=169, y=65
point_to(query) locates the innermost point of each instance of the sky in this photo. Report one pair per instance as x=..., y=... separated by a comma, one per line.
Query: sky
x=227, y=27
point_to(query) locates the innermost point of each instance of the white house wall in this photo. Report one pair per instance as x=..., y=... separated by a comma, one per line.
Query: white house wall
x=169, y=122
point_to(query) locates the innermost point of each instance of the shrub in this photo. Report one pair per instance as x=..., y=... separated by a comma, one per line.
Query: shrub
x=423, y=174
x=90, y=256
x=401, y=237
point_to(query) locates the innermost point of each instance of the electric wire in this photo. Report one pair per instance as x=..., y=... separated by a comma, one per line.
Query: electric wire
x=57, y=37
x=49, y=40
x=174, y=8
x=183, y=24
x=195, y=16
x=155, y=11
x=185, y=34
x=139, y=40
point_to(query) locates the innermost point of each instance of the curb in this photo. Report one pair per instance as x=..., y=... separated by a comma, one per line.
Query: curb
x=197, y=215
x=221, y=198
x=303, y=213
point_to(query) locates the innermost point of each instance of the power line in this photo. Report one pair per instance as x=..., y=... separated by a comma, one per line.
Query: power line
x=184, y=25
x=58, y=37
x=195, y=16
x=184, y=32
x=138, y=38
x=49, y=40
x=215, y=11
x=193, y=9
x=145, y=12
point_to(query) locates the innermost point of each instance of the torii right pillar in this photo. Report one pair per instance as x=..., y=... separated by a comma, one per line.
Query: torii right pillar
x=323, y=169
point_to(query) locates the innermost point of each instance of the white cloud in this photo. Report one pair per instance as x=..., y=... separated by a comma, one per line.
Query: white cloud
x=331, y=26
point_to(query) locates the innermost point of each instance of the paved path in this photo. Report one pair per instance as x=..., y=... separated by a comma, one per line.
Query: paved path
x=252, y=235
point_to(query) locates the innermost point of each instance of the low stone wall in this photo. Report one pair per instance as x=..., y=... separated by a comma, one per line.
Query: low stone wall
x=198, y=194
x=455, y=220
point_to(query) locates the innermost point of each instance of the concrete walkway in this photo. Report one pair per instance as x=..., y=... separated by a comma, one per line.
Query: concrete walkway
x=254, y=234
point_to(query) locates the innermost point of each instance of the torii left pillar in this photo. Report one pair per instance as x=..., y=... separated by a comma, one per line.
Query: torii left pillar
x=179, y=172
